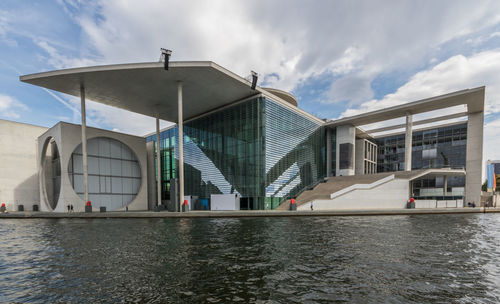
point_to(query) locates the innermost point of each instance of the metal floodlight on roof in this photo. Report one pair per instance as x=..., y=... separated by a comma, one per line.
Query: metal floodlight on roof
x=254, y=79
x=165, y=57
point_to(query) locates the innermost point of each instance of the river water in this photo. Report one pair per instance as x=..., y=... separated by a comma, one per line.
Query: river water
x=370, y=259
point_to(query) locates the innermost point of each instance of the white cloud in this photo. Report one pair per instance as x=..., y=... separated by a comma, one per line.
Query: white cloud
x=4, y=29
x=286, y=42
x=456, y=73
x=294, y=39
x=103, y=116
x=123, y=121
x=10, y=107
x=60, y=61
x=353, y=88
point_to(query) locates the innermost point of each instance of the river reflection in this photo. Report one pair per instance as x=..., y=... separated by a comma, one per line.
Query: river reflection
x=396, y=259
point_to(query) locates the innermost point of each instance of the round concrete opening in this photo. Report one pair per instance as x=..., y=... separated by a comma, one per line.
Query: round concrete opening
x=51, y=173
x=114, y=173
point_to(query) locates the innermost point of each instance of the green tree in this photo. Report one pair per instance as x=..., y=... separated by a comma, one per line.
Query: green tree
x=484, y=187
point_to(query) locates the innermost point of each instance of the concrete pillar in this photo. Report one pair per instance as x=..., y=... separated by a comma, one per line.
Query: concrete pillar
x=346, y=137
x=180, y=125
x=328, y=152
x=151, y=173
x=474, y=157
x=158, y=162
x=84, y=145
x=359, y=158
x=408, y=141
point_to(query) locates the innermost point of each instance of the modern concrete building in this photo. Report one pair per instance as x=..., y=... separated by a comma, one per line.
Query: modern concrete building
x=235, y=138
x=18, y=165
x=117, y=169
x=455, y=145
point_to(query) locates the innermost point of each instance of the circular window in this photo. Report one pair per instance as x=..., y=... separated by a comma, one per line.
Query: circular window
x=113, y=170
x=51, y=172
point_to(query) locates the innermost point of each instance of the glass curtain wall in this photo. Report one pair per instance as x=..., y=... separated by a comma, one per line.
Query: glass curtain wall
x=443, y=147
x=258, y=149
x=333, y=140
x=168, y=142
x=295, y=153
x=114, y=173
x=223, y=154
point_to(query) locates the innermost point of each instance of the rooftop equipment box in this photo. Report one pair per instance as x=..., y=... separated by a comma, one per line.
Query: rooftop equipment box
x=224, y=202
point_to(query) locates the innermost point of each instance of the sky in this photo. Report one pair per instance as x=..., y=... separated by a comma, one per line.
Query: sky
x=339, y=58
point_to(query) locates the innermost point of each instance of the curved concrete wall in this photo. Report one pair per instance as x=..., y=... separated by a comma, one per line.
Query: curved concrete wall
x=68, y=137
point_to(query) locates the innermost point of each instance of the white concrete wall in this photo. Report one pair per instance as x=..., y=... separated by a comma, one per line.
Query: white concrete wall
x=18, y=167
x=68, y=137
x=390, y=195
x=474, y=161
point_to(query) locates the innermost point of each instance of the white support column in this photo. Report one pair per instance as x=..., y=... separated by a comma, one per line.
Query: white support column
x=158, y=161
x=408, y=141
x=474, y=157
x=84, y=145
x=181, y=144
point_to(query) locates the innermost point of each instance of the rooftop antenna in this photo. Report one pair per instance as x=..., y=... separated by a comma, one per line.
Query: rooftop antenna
x=165, y=57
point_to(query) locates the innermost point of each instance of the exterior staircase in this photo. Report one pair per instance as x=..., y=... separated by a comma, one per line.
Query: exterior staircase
x=323, y=191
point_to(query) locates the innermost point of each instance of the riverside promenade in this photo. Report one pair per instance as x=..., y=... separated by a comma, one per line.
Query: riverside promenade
x=243, y=213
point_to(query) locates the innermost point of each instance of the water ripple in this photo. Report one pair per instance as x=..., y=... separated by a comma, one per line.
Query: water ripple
x=393, y=259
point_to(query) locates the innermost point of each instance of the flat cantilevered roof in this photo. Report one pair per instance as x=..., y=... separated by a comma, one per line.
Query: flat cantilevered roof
x=148, y=89
x=473, y=98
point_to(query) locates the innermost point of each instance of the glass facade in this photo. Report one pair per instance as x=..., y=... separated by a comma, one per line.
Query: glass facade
x=295, y=153
x=333, y=136
x=258, y=149
x=443, y=147
x=114, y=173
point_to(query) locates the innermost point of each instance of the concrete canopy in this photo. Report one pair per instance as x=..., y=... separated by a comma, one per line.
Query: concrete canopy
x=148, y=89
x=473, y=98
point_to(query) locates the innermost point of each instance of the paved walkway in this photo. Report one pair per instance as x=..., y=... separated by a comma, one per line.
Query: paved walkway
x=244, y=213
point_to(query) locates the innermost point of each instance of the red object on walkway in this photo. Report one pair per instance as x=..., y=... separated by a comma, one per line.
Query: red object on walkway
x=292, y=201
x=412, y=200
x=3, y=204
x=88, y=203
x=185, y=202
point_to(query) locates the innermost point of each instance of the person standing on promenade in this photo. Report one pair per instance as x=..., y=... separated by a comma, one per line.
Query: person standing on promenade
x=312, y=206
x=71, y=208
x=68, y=207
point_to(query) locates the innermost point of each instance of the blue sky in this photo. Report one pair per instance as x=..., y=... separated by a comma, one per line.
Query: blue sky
x=338, y=57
